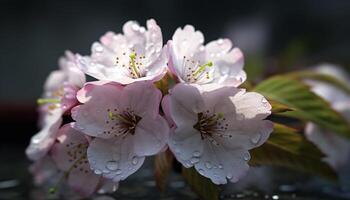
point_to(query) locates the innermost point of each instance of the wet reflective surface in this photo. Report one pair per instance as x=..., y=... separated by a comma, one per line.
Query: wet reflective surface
x=16, y=184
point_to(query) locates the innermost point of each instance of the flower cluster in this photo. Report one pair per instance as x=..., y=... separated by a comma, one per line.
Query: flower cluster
x=132, y=110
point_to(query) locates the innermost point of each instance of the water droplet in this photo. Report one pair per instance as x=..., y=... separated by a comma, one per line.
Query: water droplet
x=275, y=197
x=196, y=153
x=194, y=160
x=135, y=27
x=142, y=30
x=256, y=138
x=220, y=41
x=112, y=165
x=135, y=160
x=246, y=156
x=208, y=165
x=119, y=171
x=98, y=48
x=98, y=172
x=220, y=166
x=229, y=176
x=201, y=171
x=201, y=48
x=264, y=102
x=82, y=61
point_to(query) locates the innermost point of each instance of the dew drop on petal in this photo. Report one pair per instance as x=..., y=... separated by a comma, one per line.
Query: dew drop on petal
x=264, y=102
x=119, y=171
x=246, y=156
x=220, y=166
x=201, y=171
x=142, y=30
x=98, y=172
x=98, y=48
x=196, y=153
x=208, y=165
x=135, y=160
x=194, y=160
x=135, y=27
x=220, y=41
x=256, y=138
x=112, y=165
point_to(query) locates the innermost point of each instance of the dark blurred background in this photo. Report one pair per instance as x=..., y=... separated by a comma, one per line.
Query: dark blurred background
x=276, y=36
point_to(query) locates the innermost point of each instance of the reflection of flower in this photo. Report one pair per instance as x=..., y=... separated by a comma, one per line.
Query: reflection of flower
x=59, y=96
x=126, y=124
x=136, y=55
x=215, y=62
x=216, y=127
x=336, y=148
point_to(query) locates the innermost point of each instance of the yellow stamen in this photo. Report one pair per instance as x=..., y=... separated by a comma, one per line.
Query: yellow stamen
x=42, y=101
x=133, y=65
x=201, y=68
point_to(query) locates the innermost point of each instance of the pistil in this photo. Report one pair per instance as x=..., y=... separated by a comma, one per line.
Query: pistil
x=201, y=68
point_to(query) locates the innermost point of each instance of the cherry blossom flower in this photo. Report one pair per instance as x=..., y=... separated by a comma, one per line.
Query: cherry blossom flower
x=216, y=62
x=59, y=97
x=336, y=148
x=215, y=128
x=135, y=55
x=70, y=156
x=126, y=124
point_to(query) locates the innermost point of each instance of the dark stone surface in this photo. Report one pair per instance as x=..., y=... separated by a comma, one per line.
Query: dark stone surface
x=16, y=184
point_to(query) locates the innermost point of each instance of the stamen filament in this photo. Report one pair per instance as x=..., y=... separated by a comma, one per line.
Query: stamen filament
x=112, y=116
x=133, y=65
x=43, y=101
x=201, y=68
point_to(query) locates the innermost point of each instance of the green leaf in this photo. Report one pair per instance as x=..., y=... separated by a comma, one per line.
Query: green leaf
x=163, y=164
x=306, y=105
x=311, y=75
x=202, y=186
x=278, y=107
x=287, y=148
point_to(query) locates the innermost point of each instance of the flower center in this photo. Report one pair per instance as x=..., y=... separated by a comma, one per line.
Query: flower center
x=209, y=125
x=53, y=100
x=135, y=67
x=122, y=123
x=77, y=156
x=194, y=70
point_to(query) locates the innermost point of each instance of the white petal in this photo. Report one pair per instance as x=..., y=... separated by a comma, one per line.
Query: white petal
x=220, y=164
x=186, y=144
x=185, y=103
x=41, y=143
x=151, y=136
x=114, y=158
x=251, y=105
